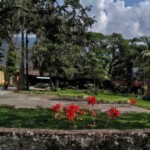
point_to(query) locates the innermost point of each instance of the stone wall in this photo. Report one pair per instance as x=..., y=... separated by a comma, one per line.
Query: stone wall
x=27, y=139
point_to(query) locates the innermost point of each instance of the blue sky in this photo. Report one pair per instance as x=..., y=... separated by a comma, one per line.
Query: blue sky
x=60, y=1
x=132, y=2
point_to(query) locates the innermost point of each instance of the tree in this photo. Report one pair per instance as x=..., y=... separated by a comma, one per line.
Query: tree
x=121, y=58
x=137, y=48
x=61, y=37
x=6, y=14
x=12, y=15
x=8, y=19
x=146, y=56
x=95, y=59
x=11, y=64
x=26, y=21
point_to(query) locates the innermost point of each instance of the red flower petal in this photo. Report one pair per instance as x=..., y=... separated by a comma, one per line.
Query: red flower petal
x=93, y=113
x=91, y=100
x=113, y=112
x=132, y=101
x=56, y=108
x=82, y=112
x=71, y=111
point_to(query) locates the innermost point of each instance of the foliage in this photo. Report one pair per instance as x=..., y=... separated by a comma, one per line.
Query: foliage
x=42, y=119
x=6, y=9
x=11, y=64
x=60, y=37
x=96, y=57
x=121, y=58
x=146, y=57
x=72, y=112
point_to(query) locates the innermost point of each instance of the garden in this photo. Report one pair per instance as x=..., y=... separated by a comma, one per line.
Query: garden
x=94, y=78
x=43, y=119
x=73, y=116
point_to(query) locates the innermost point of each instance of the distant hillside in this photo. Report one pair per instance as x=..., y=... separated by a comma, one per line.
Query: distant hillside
x=31, y=41
x=17, y=41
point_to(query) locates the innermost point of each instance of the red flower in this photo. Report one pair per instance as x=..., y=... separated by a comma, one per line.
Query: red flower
x=73, y=107
x=113, y=112
x=132, y=101
x=71, y=111
x=56, y=108
x=91, y=100
x=70, y=114
x=82, y=112
x=93, y=113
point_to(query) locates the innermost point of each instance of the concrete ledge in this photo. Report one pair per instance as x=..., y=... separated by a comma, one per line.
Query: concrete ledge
x=27, y=139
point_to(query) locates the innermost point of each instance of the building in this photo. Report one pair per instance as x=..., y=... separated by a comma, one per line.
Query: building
x=1, y=77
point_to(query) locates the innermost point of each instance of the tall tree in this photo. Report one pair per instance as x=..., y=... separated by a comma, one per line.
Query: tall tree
x=62, y=38
x=12, y=21
x=121, y=58
x=26, y=22
x=146, y=57
x=95, y=59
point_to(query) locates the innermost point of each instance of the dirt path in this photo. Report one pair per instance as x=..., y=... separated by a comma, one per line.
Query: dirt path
x=29, y=101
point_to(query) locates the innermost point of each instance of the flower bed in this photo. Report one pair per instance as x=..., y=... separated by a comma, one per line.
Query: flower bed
x=73, y=112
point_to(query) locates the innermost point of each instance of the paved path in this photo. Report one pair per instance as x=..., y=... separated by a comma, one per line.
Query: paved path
x=30, y=101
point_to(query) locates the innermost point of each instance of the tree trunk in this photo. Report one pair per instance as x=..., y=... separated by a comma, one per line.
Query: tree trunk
x=27, y=79
x=95, y=88
x=51, y=84
x=57, y=81
x=21, y=85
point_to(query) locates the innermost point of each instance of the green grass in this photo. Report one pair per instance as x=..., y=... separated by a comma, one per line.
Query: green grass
x=102, y=96
x=42, y=118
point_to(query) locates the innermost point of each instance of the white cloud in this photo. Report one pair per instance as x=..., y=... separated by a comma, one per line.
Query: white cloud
x=114, y=16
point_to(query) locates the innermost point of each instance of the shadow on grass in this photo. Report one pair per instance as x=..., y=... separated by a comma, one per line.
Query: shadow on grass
x=132, y=121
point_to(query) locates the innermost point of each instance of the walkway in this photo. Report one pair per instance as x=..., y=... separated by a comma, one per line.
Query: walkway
x=29, y=101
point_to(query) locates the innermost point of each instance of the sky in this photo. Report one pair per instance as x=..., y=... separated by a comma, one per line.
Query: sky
x=131, y=18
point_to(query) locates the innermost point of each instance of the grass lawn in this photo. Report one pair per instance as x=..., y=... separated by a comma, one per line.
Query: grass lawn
x=100, y=97
x=42, y=118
